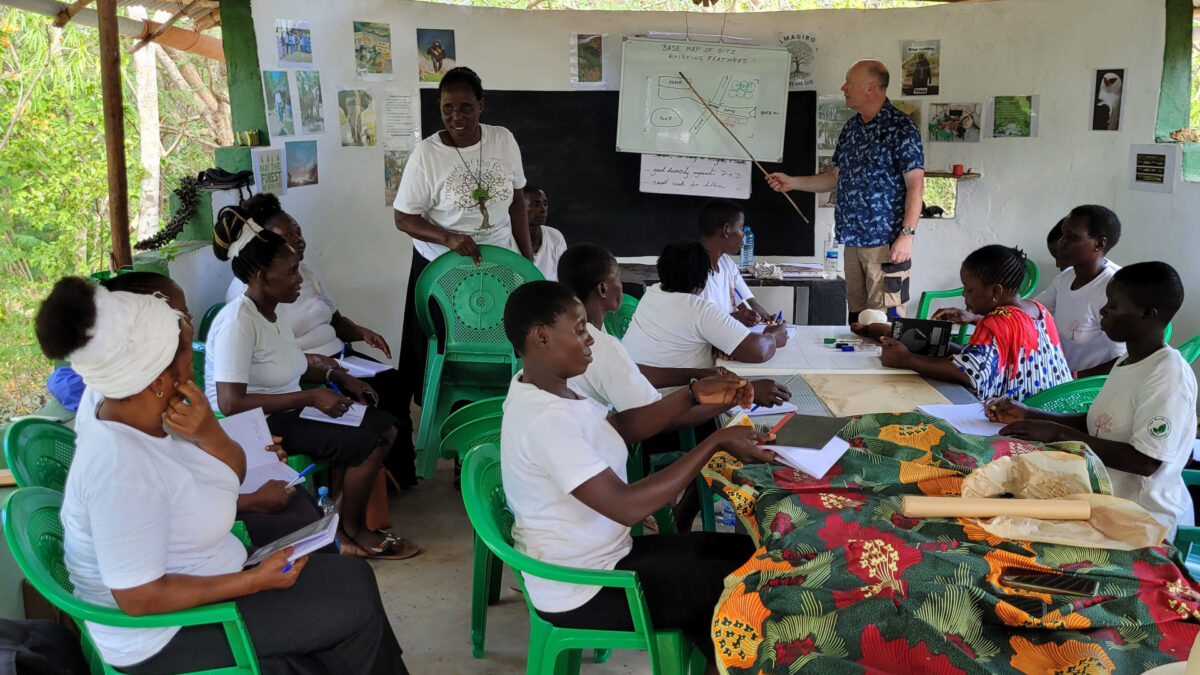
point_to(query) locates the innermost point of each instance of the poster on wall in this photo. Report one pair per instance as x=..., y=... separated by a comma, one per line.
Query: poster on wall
x=356, y=118
x=268, y=170
x=1152, y=168
x=802, y=53
x=1015, y=117
x=921, y=64
x=312, y=119
x=587, y=61
x=393, y=170
x=910, y=107
x=832, y=114
x=435, y=53
x=955, y=122
x=695, y=176
x=1107, y=99
x=372, y=50
x=401, y=119
x=293, y=43
x=301, y=163
x=826, y=199
x=279, y=103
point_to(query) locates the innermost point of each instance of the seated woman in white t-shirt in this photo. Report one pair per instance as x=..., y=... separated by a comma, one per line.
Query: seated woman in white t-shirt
x=722, y=228
x=1143, y=422
x=150, y=501
x=252, y=361
x=1076, y=295
x=563, y=466
x=322, y=331
x=548, y=243
x=673, y=327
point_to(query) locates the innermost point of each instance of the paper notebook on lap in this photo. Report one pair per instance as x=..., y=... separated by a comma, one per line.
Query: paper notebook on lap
x=249, y=430
x=352, y=418
x=357, y=366
x=810, y=443
x=307, y=539
x=966, y=418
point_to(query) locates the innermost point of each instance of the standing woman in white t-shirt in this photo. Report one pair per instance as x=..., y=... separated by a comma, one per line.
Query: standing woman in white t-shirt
x=252, y=361
x=150, y=501
x=461, y=188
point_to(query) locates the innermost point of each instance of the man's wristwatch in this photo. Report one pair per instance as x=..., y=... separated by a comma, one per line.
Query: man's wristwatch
x=908, y=230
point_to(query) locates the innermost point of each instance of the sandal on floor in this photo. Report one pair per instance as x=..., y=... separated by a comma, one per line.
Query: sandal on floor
x=390, y=547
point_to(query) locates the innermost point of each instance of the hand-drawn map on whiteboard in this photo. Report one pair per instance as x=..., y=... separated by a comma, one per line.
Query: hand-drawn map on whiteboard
x=745, y=86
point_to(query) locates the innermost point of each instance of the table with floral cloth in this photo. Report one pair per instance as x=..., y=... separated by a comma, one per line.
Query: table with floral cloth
x=842, y=582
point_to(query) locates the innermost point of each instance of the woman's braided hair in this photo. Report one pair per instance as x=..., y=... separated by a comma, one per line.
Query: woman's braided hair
x=257, y=255
x=997, y=264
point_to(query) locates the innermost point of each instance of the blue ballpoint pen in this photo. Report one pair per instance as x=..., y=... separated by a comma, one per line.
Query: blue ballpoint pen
x=296, y=480
x=286, y=568
x=741, y=300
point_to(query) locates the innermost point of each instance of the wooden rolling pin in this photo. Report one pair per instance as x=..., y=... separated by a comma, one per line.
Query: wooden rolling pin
x=982, y=507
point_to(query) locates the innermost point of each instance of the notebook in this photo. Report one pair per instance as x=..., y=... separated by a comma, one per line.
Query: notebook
x=307, y=539
x=352, y=418
x=249, y=430
x=967, y=418
x=810, y=443
x=357, y=366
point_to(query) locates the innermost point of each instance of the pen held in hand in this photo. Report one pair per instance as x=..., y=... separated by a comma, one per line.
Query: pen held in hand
x=296, y=481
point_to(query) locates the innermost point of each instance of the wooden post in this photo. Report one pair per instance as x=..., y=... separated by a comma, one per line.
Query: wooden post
x=114, y=132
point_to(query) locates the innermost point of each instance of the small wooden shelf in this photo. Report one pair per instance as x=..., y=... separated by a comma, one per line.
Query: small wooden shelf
x=947, y=174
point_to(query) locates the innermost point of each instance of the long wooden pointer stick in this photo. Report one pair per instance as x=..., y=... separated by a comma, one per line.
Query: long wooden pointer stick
x=739, y=142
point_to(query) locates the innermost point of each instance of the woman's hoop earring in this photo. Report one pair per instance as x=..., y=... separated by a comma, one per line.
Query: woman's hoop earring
x=158, y=394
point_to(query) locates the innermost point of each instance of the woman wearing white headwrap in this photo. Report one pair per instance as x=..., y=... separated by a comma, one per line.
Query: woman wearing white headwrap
x=252, y=360
x=150, y=501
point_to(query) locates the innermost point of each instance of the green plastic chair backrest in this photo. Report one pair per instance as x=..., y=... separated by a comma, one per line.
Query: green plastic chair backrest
x=1028, y=286
x=1190, y=349
x=470, y=435
x=39, y=453
x=472, y=411
x=1075, y=396
x=471, y=298
x=206, y=321
x=1167, y=333
x=616, y=323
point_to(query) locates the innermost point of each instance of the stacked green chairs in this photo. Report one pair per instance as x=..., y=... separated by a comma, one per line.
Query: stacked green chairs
x=555, y=650
x=458, y=432
x=616, y=323
x=473, y=359
x=1071, y=397
x=34, y=534
x=1190, y=349
x=1028, y=286
x=39, y=453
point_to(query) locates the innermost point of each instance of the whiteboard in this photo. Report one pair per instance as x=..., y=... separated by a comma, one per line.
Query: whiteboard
x=695, y=176
x=746, y=86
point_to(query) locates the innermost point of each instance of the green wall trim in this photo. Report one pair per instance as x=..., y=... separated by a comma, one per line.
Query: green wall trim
x=1175, y=93
x=1191, y=162
x=234, y=159
x=246, y=100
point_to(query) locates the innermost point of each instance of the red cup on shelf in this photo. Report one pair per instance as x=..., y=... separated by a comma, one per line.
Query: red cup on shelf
x=957, y=169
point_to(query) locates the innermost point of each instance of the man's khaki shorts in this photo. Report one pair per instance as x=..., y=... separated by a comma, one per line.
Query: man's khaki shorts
x=873, y=281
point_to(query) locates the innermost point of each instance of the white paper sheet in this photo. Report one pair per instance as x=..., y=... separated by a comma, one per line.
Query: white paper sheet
x=781, y=409
x=352, y=418
x=791, y=329
x=307, y=539
x=249, y=429
x=967, y=418
x=356, y=366
x=815, y=463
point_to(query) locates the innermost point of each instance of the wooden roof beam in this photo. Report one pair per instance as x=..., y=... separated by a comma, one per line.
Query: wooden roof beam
x=64, y=17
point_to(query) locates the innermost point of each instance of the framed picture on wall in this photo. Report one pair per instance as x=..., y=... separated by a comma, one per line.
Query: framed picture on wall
x=1152, y=168
x=1108, y=99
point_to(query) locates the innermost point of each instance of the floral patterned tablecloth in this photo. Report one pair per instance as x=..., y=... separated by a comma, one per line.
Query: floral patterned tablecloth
x=843, y=583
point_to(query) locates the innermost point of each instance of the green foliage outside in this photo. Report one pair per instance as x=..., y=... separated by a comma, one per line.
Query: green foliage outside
x=685, y=5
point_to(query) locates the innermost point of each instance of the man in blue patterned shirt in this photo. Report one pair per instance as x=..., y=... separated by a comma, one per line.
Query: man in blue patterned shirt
x=879, y=172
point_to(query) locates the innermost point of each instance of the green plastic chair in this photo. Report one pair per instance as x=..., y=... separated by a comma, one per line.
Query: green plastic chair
x=34, y=534
x=1186, y=536
x=616, y=323
x=207, y=320
x=555, y=650
x=1167, y=333
x=475, y=360
x=1075, y=396
x=1028, y=286
x=39, y=453
x=459, y=441
x=1190, y=349
x=472, y=411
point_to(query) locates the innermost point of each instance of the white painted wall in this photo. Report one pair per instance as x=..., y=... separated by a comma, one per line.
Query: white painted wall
x=1010, y=47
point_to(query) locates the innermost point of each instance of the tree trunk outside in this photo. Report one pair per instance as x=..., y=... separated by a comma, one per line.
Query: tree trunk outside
x=149, y=136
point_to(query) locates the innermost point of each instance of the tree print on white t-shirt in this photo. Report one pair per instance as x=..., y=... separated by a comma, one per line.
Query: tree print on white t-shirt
x=466, y=178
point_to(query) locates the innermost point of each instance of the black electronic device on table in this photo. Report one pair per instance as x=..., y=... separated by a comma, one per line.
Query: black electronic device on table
x=923, y=336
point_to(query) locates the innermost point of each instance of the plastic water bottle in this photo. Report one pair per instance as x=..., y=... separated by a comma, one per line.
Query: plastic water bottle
x=728, y=517
x=747, y=247
x=324, y=502
x=830, y=270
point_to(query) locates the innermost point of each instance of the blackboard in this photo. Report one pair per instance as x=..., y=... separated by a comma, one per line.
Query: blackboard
x=568, y=145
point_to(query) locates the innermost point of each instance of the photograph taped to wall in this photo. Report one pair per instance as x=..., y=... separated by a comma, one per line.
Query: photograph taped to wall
x=910, y=107
x=1108, y=98
x=832, y=115
x=802, y=48
x=826, y=200
x=393, y=171
x=356, y=118
x=1015, y=117
x=372, y=50
x=293, y=43
x=301, y=163
x=312, y=117
x=587, y=61
x=955, y=122
x=921, y=65
x=1152, y=168
x=436, y=53
x=279, y=103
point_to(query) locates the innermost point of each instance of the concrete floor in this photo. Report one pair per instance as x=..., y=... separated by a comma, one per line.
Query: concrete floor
x=428, y=598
